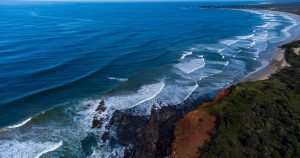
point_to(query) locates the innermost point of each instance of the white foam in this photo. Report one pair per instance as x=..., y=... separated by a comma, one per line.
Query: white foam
x=151, y=97
x=293, y=24
x=270, y=25
x=50, y=149
x=221, y=50
x=121, y=101
x=116, y=152
x=27, y=149
x=246, y=37
x=191, y=65
x=118, y=79
x=213, y=48
x=269, y=17
x=225, y=63
x=191, y=91
x=185, y=54
x=177, y=92
x=271, y=20
x=229, y=42
x=19, y=124
x=144, y=94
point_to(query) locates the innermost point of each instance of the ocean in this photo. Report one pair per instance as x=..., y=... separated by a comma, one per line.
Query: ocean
x=58, y=60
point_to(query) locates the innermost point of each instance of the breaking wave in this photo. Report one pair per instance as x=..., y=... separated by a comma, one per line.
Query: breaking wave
x=29, y=149
x=19, y=124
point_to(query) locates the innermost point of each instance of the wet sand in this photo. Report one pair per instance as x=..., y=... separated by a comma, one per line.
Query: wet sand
x=277, y=63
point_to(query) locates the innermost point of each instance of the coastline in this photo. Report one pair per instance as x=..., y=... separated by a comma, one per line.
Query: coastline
x=278, y=60
x=277, y=63
x=208, y=144
x=194, y=133
x=154, y=136
x=107, y=124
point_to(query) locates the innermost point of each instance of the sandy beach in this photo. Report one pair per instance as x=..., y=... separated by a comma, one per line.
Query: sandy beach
x=277, y=63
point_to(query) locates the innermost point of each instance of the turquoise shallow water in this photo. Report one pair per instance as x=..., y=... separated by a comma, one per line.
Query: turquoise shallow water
x=57, y=60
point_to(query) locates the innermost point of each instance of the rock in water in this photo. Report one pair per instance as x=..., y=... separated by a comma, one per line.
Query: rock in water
x=101, y=107
x=151, y=136
x=98, y=120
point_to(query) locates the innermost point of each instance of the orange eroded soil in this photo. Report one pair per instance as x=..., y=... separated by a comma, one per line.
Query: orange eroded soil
x=195, y=129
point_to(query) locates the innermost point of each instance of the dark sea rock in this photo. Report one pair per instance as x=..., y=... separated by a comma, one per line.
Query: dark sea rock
x=145, y=136
x=101, y=107
x=98, y=121
x=151, y=136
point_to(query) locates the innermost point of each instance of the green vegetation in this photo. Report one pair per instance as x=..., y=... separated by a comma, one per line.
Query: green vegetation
x=260, y=119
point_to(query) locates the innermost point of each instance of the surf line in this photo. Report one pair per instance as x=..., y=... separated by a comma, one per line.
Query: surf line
x=53, y=148
x=19, y=124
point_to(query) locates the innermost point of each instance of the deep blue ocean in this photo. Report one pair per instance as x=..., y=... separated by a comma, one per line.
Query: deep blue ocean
x=57, y=60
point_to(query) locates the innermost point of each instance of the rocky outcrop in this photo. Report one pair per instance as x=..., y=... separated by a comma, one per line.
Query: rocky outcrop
x=98, y=121
x=152, y=136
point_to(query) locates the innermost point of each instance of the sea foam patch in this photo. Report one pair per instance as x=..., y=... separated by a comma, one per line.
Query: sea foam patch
x=130, y=100
x=191, y=65
x=185, y=54
x=28, y=149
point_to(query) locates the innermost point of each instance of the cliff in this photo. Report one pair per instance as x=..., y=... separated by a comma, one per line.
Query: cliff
x=257, y=119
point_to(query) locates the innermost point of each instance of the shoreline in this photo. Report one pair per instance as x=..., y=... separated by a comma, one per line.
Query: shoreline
x=154, y=136
x=277, y=63
x=197, y=129
x=278, y=60
x=203, y=141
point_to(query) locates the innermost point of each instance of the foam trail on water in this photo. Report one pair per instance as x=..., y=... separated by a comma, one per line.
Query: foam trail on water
x=50, y=149
x=145, y=93
x=246, y=37
x=229, y=42
x=192, y=91
x=153, y=96
x=119, y=102
x=191, y=65
x=118, y=79
x=185, y=54
x=19, y=124
x=288, y=28
x=26, y=149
